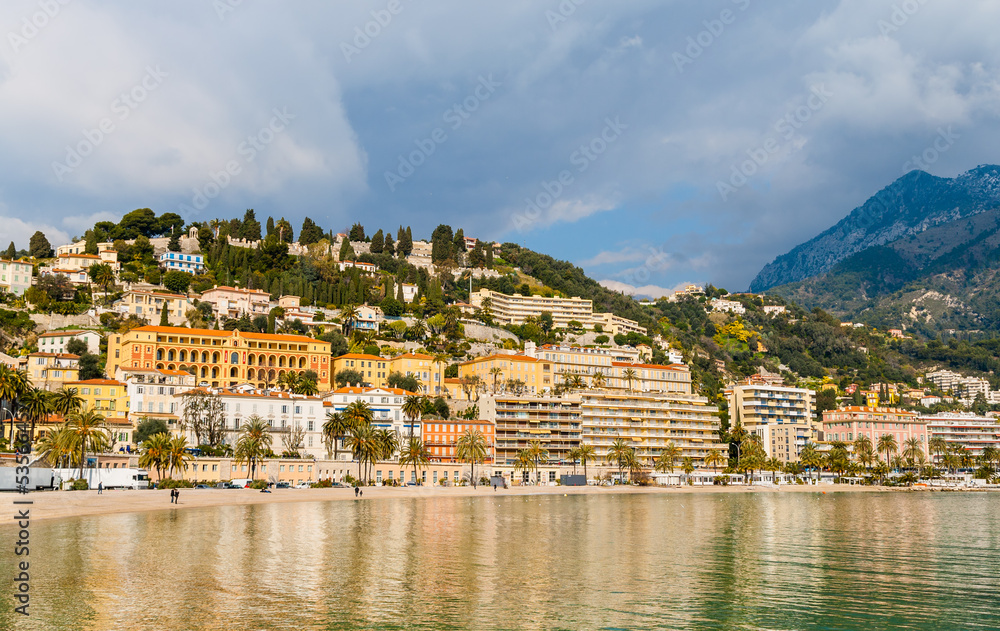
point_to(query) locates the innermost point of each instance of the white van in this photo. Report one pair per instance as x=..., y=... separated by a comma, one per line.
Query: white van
x=240, y=483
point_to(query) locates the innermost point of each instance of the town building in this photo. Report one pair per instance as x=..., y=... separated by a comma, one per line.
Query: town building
x=409, y=292
x=107, y=397
x=150, y=304
x=76, y=277
x=516, y=309
x=367, y=318
x=56, y=341
x=782, y=416
x=441, y=438
x=289, y=301
x=233, y=302
x=221, y=358
x=553, y=421
x=649, y=422
x=728, y=306
x=500, y=372
x=51, y=371
x=374, y=369
x=430, y=373
x=15, y=276
x=386, y=405
x=774, y=310
x=365, y=268
x=846, y=424
x=151, y=393
x=966, y=431
x=176, y=261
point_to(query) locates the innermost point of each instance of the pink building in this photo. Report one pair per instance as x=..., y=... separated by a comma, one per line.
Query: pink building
x=846, y=424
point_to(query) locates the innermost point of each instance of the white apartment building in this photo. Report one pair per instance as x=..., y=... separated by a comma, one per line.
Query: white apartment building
x=729, y=306
x=177, y=261
x=409, y=292
x=153, y=393
x=386, y=405
x=966, y=387
x=56, y=341
x=233, y=302
x=782, y=416
x=515, y=309
x=15, y=276
x=149, y=305
x=964, y=430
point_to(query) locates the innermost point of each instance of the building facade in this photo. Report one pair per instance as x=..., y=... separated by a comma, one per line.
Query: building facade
x=56, y=341
x=150, y=305
x=15, y=276
x=151, y=393
x=233, y=302
x=782, y=416
x=387, y=409
x=499, y=373
x=374, y=369
x=51, y=371
x=424, y=368
x=107, y=397
x=516, y=309
x=441, y=438
x=553, y=421
x=969, y=432
x=176, y=261
x=221, y=358
x=846, y=424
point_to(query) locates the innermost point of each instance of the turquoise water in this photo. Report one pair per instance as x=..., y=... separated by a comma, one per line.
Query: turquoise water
x=710, y=561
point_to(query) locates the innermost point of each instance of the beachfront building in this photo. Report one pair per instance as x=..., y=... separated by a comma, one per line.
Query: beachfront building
x=441, y=437
x=846, y=424
x=781, y=415
x=150, y=305
x=374, y=369
x=177, y=261
x=553, y=421
x=233, y=302
x=56, y=341
x=649, y=422
x=221, y=358
x=430, y=373
x=386, y=405
x=107, y=397
x=966, y=431
x=151, y=392
x=15, y=276
x=51, y=371
x=516, y=309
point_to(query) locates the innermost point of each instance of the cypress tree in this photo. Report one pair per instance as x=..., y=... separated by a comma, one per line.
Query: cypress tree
x=388, y=247
x=163, y=316
x=11, y=252
x=377, y=243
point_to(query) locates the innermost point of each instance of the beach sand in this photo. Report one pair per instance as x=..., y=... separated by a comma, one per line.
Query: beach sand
x=64, y=504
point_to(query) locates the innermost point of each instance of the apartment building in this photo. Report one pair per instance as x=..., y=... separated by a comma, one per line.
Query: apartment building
x=151, y=392
x=649, y=422
x=221, y=358
x=612, y=368
x=386, y=405
x=15, y=276
x=364, y=268
x=555, y=422
x=966, y=431
x=846, y=424
x=150, y=305
x=374, y=369
x=76, y=277
x=282, y=411
x=763, y=407
x=423, y=367
x=495, y=371
x=233, y=302
x=56, y=341
x=176, y=261
x=367, y=318
x=515, y=309
x=441, y=438
x=51, y=371
x=727, y=306
x=107, y=397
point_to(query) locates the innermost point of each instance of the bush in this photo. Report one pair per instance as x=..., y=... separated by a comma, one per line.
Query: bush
x=259, y=484
x=602, y=339
x=350, y=479
x=170, y=483
x=325, y=483
x=79, y=485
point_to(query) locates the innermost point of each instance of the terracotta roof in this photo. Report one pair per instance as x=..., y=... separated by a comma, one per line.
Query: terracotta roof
x=653, y=366
x=236, y=289
x=274, y=394
x=364, y=390
x=63, y=355
x=95, y=382
x=154, y=293
x=519, y=358
x=68, y=332
x=360, y=356
x=80, y=256
x=413, y=355
x=166, y=371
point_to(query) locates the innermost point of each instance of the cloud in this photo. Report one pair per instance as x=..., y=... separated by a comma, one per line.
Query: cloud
x=20, y=231
x=652, y=291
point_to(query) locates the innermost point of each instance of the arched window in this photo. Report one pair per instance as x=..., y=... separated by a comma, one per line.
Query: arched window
x=234, y=358
x=171, y=355
x=234, y=372
x=182, y=356
x=159, y=354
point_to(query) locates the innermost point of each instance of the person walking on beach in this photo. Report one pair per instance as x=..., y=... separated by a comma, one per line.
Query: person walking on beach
x=100, y=488
x=356, y=491
x=361, y=492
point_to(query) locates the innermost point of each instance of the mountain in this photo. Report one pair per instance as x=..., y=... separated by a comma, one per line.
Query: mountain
x=909, y=206
x=932, y=263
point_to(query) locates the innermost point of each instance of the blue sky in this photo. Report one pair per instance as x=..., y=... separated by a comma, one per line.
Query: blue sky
x=652, y=143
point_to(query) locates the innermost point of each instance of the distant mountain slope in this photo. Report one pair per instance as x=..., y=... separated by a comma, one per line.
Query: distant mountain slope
x=909, y=206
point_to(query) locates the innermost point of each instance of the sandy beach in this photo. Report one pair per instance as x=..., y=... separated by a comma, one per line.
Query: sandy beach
x=65, y=504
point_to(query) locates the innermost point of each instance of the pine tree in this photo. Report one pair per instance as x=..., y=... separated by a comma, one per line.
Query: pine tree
x=270, y=226
x=91, y=242
x=346, y=251
x=250, y=227
x=399, y=294
x=388, y=247
x=310, y=232
x=459, y=240
x=38, y=246
x=11, y=252
x=489, y=256
x=377, y=243
x=174, y=245
x=357, y=232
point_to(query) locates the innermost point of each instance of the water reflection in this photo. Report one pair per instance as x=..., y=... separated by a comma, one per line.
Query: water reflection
x=765, y=561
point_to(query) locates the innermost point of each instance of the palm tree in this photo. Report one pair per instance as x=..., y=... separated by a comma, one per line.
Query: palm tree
x=574, y=455
x=253, y=444
x=387, y=442
x=288, y=381
x=348, y=315
x=913, y=450
x=89, y=431
x=35, y=406
x=863, y=450
x=57, y=446
x=990, y=455
x=714, y=459
x=810, y=457
x=538, y=453
x=524, y=462
x=65, y=401
x=618, y=453
x=12, y=384
x=306, y=386
x=178, y=455
x=413, y=407
x=103, y=275
x=937, y=446
x=887, y=445
x=586, y=452
x=668, y=455
x=156, y=453
x=335, y=428
x=598, y=379
x=414, y=454
x=495, y=372
x=358, y=413
x=361, y=440
x=773, y=465
x=471, y=448
x=629, y=376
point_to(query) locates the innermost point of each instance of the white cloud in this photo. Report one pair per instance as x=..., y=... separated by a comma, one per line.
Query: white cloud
x=653, y=291
x=20, y=231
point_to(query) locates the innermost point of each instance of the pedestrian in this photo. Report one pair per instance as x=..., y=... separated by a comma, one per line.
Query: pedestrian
x=177, y=496
x=494, y=487
x=362, y=492
x=171, y=496
x=356, y=491
x=100, y=488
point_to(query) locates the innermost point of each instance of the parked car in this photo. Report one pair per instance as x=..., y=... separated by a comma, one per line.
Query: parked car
x=282, y=485
x=304, y=485
x=202, y=486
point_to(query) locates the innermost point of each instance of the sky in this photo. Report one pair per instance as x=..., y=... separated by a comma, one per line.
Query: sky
x=653, y=143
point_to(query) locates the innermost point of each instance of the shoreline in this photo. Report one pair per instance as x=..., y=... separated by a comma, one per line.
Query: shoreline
x=48, y=505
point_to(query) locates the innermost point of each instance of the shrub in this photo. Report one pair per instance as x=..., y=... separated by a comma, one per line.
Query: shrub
x=79, y=485
x=170, y=483
x=350, y=479
x=325, y=483
x=259, y=484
